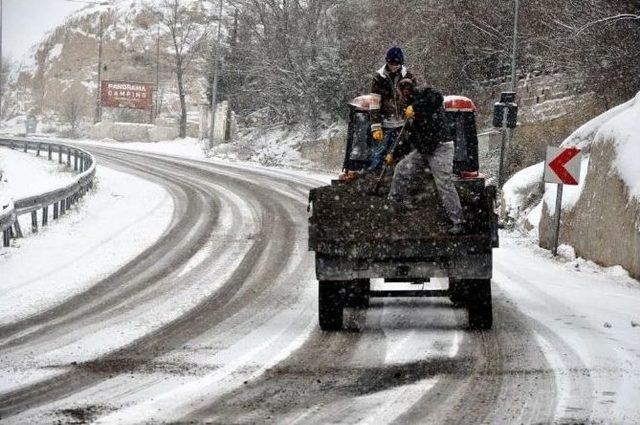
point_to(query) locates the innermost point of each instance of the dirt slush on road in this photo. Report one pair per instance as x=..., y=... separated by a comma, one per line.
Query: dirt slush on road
x=358, y=234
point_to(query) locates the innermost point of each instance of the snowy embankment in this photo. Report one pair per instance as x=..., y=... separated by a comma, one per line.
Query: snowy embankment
x=27, y=175
x=601, y=215
x=274, y=146
x=118, y=220
x=194, y=149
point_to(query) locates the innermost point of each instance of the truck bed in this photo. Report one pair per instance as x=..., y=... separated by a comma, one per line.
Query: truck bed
x=350, y=220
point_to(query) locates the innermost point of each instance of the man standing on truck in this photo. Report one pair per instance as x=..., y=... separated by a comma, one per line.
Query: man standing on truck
x=387, y=114
x=431, y=148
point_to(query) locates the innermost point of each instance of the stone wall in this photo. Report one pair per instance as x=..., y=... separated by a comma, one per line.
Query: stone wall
x=604, y=225
x=128, y=132
x=327, y=154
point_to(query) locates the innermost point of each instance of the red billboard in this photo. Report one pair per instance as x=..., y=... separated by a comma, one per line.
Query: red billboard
x=125, y=94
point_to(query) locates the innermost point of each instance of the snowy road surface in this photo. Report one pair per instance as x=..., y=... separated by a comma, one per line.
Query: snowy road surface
x=216, y=322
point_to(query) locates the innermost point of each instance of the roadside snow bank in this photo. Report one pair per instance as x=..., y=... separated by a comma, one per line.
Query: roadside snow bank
x=274, y=146
x=123, y=216
x=197, y=150
x=521, y=193
x=624, y=130
x=585, y=135
x=28, y=175
x=602, y=222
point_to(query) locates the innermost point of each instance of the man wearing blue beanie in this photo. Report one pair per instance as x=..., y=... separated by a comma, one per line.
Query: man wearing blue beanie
x=387, y=115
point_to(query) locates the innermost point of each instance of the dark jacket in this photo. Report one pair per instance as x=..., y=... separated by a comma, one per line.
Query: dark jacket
x=428, y=128
x=391, y=104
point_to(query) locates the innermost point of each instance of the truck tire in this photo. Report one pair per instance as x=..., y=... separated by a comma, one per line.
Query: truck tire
x=357, y=293
x=457, y=293
x=330, y=304
x=479, y=304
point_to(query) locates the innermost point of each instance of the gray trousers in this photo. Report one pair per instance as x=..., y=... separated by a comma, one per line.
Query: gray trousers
x=441, y=165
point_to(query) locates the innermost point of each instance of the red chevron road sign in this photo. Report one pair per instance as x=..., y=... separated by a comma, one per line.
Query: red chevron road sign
x=563, y=165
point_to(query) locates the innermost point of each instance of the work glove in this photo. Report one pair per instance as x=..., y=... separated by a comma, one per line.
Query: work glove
x=409, y=113
x=377, y=135
x=389, y=159
x=348, y=176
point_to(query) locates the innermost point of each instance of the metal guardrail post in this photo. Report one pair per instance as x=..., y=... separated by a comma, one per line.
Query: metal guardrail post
x=18, y=229
x=34, y=222
x=60, y=199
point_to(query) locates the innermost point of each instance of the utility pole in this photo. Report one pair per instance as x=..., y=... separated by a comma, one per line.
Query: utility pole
x=507, y=132
x=98, y=116
x=234, y=44
x=515, y=47
x=214, y=88
x=157, y=109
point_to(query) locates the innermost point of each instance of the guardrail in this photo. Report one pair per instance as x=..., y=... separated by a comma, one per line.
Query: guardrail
x=60, y=199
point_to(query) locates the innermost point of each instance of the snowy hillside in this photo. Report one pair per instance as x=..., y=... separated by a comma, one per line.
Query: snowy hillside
x=62, y=68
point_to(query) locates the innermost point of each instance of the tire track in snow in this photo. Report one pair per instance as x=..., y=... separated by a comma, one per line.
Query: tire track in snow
x=275, y=237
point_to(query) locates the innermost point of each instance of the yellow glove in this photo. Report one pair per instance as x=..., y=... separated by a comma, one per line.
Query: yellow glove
x=408, y=113
x=377, y=135
x=389, y=159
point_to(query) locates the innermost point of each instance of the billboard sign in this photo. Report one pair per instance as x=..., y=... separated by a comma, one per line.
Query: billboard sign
x=125, y=94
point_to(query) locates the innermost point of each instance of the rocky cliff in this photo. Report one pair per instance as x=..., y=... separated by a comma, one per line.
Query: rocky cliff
x=63, y=67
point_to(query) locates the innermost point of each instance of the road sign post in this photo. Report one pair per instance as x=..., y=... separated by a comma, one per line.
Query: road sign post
x=556, y=227
x=505, y=116
x=562, y=166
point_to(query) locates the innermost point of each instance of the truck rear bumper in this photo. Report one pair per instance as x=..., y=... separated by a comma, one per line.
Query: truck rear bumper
x=477, y=266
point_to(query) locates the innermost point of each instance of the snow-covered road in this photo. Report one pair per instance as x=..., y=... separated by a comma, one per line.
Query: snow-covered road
x=217, y=322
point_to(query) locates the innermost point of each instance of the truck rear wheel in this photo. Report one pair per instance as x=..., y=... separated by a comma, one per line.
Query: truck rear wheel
x=457, y=293
x=479, y=304
x=331, y=302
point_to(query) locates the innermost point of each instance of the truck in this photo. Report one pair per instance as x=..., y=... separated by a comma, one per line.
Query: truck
x=358, y=234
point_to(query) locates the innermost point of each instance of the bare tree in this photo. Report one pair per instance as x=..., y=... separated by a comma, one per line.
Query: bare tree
x=285, y=58
x=73, y=112
x=186, y=26
x=5, y=70
x=294, y=60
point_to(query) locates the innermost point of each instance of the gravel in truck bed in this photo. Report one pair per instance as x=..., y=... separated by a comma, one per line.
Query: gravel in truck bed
x=352, y=218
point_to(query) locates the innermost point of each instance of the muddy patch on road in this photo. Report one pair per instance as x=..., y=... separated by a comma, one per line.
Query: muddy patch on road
x=81, y=415
x=298, y=387
x=128, y=365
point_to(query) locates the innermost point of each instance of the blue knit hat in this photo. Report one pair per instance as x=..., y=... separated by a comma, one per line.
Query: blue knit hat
x=395, y=54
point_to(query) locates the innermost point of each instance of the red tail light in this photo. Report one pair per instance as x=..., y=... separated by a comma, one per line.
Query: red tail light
x=470, y=175
x=459, y=104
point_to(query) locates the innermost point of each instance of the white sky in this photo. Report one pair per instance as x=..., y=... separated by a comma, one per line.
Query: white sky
x=26, y=21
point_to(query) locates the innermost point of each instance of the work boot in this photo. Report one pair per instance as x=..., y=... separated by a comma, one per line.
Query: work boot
x=396, y=206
